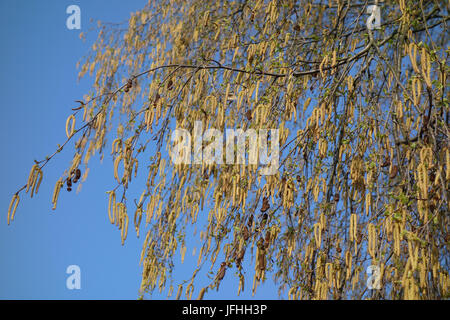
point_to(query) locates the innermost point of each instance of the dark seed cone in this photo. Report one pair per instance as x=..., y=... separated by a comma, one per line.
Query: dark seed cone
x=220, y=274
x=386, y=163
x=393, y=172
x=170, y=85
x=265, y=205
x=262, y=261
x=267, y=240
x=248, y=115
x=246, y=233
x=250, y=221
x=336, y=197
x=157, y=97
x=128, y=86
x=78, y=174
x=264, y=220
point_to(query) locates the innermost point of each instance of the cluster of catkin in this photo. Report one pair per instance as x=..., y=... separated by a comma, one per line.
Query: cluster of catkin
x=125, y=151
x=117, y=213
x=328, y=276
x=33, y=183
x=425, y=65
x=423, y=183
x=70, y=126
x=13, y=206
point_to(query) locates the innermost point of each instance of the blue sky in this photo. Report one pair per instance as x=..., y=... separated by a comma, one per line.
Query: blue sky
x=38, y=84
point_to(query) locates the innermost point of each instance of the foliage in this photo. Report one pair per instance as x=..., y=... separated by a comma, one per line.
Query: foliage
x=364, y=139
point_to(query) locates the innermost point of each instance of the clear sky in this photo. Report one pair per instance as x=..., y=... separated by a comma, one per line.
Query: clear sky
x=38, y=84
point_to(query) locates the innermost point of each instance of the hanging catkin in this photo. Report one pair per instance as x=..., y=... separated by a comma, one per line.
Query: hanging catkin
x=13, y=205
x=37, y=181
x=70, y=123
x=137, y=220
x=112, y=204
x=353, y=227
x=348, y=263
x=56, y=190
x=396, y=235
x=116, y=168
x=31, y=177
x=317, y=234
x=124, y=227
x=372, y=240
x=426, y=67
x=201, y=293
x=180, y=290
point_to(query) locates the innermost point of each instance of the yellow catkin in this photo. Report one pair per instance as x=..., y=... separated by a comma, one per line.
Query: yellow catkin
x=201, y=294
x=368, y=202
x=348, y=263
x=406, y=273
x=38, y=183
x=116, y=168
x=372, y=240
x=183, y=253
x=99, y=123
x=112, y=202
x=291, y=293
x=413, y=56
x=70, y=121
x=324, y=62
x=413, y=255
x=56, y=190
x=14, y=201
x=35, y=182
x=136, y=165
x=423, y=274
x=350, y=83
x=397, y=239
x=353, y=227
x=31, y=177
x=189, y=290
x=180, y=290
x=329, y=274
x=426, y=66
x=124, y=231
x=137, y=222
x=118, y=213
x=306, y=104
x=388, y=227
x=400, y=109
x=115, y=146
x=84, y=112
x=75, y=162
x=417, y=89
x=317, y=234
